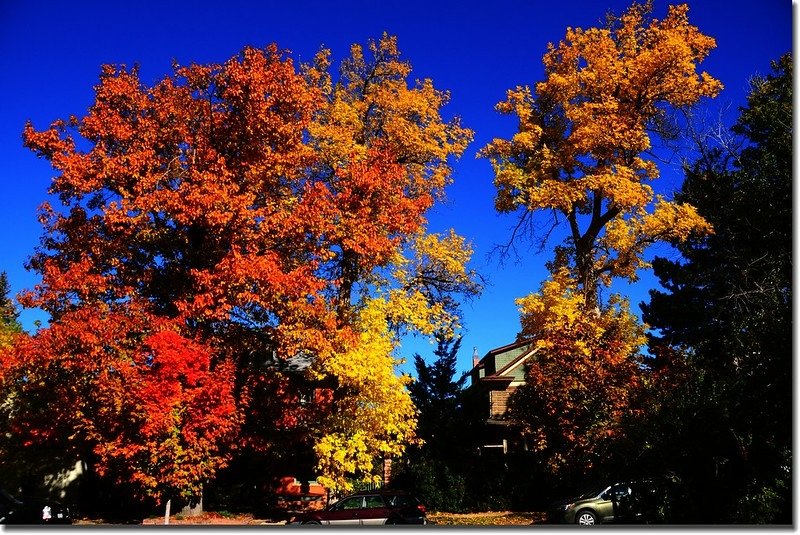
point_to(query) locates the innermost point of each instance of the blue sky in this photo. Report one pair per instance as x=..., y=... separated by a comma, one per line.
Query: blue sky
x=51, y=53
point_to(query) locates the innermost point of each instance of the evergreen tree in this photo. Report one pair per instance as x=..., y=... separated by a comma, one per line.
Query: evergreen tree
x=728, y=310
x=437, y=469
x=9, y=316
x=436, y=393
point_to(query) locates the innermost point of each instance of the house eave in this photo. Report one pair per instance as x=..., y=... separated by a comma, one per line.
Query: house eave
x=498, y=378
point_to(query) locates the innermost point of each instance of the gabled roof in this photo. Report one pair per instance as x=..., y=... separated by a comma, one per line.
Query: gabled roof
x=505, y=372
x=498, y=350
x=508, y=347
x=518, y=361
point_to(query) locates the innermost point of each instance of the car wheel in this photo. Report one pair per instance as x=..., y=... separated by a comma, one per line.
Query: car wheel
x=586, y=518
x=312, y=522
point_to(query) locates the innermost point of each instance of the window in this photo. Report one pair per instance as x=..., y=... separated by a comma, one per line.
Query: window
x=621, y=491
x=305, y=396
x=350, y=503
x=373, y=502
x=400, y=500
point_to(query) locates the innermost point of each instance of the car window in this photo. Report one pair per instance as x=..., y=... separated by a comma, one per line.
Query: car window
x=621, y=491
x=373, y=502
x=400, y=500
x=350, y=503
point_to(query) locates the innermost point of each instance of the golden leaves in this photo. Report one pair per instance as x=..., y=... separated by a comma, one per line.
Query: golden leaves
x=587, y=123
x=582, y=135
x=579, y=379
x=376, y=418
x=579, y=151
x=628, y=238
x=372, y=106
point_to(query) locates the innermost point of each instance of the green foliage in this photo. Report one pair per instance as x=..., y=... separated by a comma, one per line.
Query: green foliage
x=434, y=470
x=437, y=394
x=9, y=316
x=721, y=396
x=439, y=486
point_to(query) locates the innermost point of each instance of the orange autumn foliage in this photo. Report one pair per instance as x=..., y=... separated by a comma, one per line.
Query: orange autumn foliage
x=250, y=207
x=188, y=195
x=383, y=150
x=383, y=160
x=130, y=392
x=580, y=381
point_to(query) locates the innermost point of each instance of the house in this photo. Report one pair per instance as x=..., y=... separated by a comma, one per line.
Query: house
x=493, y=379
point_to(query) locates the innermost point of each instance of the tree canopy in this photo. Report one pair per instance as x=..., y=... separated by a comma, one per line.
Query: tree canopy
x=580, y=154
x=227, y=214
x=582, y=135
x=724, y=317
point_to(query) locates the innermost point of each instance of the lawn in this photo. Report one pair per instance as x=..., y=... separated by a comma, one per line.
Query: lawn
x=498, y=518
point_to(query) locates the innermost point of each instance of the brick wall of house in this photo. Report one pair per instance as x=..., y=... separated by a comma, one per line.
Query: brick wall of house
x=498, y=402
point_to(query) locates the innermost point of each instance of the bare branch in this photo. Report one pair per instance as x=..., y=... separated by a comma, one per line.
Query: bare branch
x=528, y=231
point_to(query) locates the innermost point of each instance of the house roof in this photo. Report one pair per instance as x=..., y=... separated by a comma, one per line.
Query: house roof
x=508, y=347
x=498, y=378
x=517, y=361
x=294, y=364
x=505, y=372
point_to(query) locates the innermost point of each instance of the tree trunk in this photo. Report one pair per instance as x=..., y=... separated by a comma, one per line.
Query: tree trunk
x=194, y=507
x=347, y=278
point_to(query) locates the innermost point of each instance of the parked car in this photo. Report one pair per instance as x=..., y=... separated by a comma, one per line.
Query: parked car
x=369, y=508
x=627, y=502
x=31, y=510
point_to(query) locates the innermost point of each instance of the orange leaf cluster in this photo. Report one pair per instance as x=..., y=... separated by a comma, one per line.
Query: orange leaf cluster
x=147, y=402
x=580, y=381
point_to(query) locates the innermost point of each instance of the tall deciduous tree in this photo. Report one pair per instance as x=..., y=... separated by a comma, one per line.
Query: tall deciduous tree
x=383, y=159
x=255, y=209
x=579, y=382
x=176, y=214
x=727, y=316
x=579, y=153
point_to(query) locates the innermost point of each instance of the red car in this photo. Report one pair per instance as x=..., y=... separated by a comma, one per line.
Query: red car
x=368, y=508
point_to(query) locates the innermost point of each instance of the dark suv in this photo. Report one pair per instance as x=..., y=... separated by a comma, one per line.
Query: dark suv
x=369, y=508
x=639, y=501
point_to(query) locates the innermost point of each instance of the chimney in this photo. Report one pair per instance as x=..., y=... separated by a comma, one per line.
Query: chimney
x=475, y=358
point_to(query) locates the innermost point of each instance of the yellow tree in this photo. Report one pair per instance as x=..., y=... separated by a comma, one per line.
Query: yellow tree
x=584, y=130
x=580, y=153
x=383, y=152
x=373, y=414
